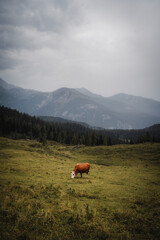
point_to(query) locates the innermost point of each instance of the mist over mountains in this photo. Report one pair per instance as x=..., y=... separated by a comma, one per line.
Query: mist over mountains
x=120, y=111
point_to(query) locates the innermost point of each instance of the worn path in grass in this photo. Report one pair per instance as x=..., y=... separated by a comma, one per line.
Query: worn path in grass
x=39, y=200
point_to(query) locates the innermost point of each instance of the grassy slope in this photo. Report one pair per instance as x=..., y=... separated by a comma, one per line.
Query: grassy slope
x=39, y=200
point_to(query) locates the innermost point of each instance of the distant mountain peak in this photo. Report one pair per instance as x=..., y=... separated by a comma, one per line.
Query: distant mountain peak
x=65, y=89
x=83, y=90
x=87, y=92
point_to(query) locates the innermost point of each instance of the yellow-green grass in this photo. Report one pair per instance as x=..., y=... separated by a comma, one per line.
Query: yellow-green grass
x=39, y=200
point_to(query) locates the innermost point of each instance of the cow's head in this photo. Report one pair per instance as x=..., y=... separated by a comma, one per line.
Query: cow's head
x=73, y=174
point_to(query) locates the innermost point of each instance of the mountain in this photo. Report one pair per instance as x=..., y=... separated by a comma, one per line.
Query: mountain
x=119, y=111
x=63, y=120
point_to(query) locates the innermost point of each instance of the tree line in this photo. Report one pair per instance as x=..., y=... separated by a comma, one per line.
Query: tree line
x=21, y=126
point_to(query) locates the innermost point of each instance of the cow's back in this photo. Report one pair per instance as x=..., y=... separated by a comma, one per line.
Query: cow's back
x=82, y=167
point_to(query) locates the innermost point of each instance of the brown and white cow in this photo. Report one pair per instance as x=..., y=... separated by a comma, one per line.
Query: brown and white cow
x=80, y=168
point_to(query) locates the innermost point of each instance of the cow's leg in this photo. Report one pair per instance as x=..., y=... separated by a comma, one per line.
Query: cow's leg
x=87, y=174
x=81, y=174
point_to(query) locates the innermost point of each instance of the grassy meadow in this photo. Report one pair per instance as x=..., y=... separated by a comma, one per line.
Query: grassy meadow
x=119, y=200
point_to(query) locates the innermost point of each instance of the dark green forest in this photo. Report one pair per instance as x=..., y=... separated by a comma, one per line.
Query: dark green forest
x=18, y=125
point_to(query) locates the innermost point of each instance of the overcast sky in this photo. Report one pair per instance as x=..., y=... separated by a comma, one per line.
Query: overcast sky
x=106, y=46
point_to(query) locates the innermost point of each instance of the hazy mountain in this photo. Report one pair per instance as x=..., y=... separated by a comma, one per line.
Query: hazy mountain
x=63, y=120
x=119, y=111
x=126, y=103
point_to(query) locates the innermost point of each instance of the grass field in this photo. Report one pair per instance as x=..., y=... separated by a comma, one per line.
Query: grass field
x=39, y=200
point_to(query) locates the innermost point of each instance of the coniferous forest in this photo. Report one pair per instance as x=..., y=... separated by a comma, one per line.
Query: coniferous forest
x=18, y=125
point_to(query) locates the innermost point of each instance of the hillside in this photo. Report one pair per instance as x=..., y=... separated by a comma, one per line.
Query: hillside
x=39, y=200
x=117, y=112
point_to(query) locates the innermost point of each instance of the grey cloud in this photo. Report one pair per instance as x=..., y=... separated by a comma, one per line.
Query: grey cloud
x=36, y=24
x=42, y=15
x=12, y=38
x=26, y=38
x=106, y=45
x=7, y=61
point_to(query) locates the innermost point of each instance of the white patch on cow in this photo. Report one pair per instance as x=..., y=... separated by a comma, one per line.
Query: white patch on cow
x=73, y=174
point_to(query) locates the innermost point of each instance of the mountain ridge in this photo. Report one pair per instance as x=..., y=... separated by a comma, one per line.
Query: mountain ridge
x=119, y=111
